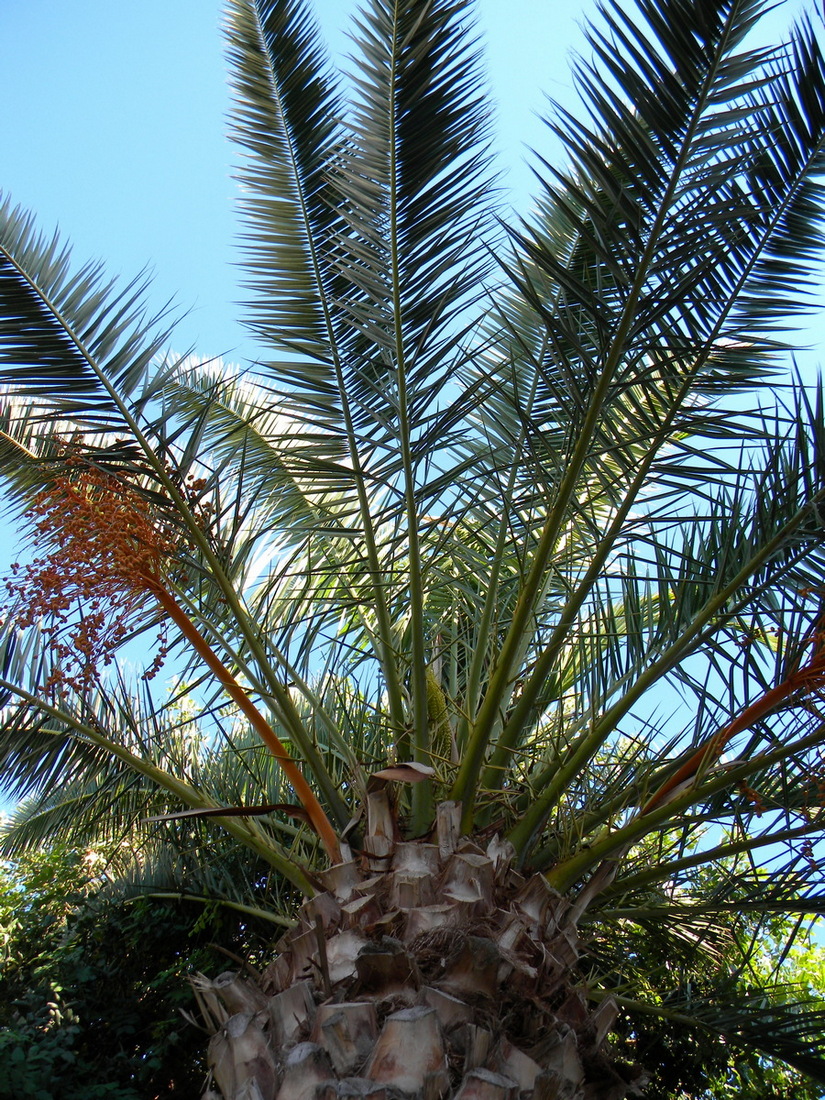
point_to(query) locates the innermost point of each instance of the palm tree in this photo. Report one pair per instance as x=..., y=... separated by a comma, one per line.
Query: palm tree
x=508, y=551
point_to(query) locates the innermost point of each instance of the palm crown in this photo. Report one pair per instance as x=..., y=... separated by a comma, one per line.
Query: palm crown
x=489, y=489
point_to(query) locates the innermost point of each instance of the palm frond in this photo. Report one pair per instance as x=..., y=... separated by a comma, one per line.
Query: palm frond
x=287, y=117
x=69, y=341
x=790, y=1031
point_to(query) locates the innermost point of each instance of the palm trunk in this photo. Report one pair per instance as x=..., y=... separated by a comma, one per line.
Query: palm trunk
x=434, y=970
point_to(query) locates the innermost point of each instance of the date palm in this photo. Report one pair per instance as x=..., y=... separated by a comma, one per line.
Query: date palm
x=497, y=580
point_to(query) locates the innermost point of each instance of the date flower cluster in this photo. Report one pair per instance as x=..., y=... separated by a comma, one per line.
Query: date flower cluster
x=111, y=555
x=106, y=555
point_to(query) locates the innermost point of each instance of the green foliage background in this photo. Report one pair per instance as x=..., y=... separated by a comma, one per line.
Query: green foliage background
x=91, y=984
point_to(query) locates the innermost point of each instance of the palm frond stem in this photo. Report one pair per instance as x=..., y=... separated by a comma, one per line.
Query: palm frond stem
x=530, y=592
x=422, y=792
x=589, y=743
x=303, y=791
x=282, y=703
x=801, y=679
x=244, y=831
x=224, y=903
x=474, y=744
x=620, y=840
x=384, y=634
x=716, y=853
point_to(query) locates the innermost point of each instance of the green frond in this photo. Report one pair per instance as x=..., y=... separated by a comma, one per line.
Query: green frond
x=287, y=119
x=790, y=1031
x=69, y=341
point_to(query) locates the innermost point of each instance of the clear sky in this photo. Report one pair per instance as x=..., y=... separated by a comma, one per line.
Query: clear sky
x=113, y=124
x=113, y=128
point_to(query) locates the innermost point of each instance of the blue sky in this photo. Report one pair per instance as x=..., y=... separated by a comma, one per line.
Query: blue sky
x=114, y=118
x=113, y=128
